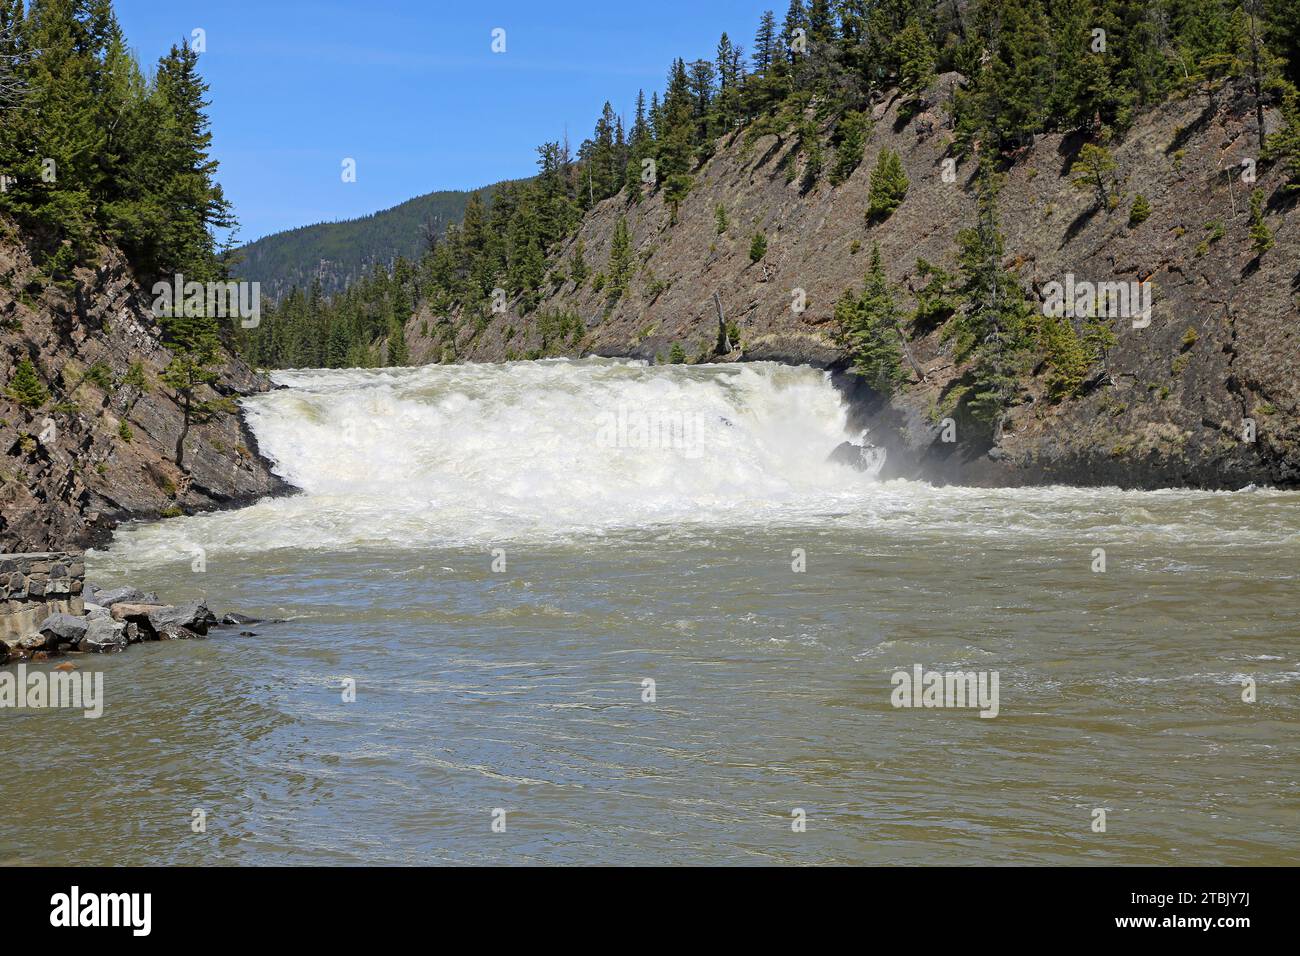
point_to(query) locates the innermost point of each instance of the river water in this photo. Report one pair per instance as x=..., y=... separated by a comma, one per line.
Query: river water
x=501, y=558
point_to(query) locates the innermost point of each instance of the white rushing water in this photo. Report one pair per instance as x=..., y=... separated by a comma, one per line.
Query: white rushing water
x=480, y=455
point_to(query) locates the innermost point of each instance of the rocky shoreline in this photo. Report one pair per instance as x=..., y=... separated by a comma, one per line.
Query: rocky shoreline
x=110, y=621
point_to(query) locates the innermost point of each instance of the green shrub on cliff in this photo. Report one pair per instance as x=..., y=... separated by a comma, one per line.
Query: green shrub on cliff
x=99, y=374
x=1067, y=359
x=1261, y=238
x=757, y=247
x=1140, y=211
x=25, y=387
x=1284, y=145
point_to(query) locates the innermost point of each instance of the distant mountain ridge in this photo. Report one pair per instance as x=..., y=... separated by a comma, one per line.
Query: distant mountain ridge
x=338, y=253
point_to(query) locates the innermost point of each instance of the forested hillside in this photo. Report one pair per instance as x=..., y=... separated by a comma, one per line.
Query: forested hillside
x=1012, y=142
x=336, y=254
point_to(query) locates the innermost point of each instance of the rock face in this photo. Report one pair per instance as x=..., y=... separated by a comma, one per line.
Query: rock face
x=1177, y=404
x=100, y=449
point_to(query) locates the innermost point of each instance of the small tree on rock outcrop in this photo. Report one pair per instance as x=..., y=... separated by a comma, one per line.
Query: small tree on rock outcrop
x=25, y=387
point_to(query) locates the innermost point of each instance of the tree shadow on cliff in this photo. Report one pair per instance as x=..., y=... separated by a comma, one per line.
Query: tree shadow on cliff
x=1188, y=132
x=1079, y=224
x=771, y=152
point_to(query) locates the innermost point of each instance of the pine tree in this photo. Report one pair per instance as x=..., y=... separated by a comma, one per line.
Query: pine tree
x=191, y=368
x=765, y=43
x=888, y=186
x=796, y=19
x=620, y=258
x=195, y=201
x=868, y=327
x=992, y=320
x=850, y=140
x=757, y=247
x=1094, y=169
x=578, y=264
x=25, y=387
x=915, y=55
x=821, y=21
x=398, y=353
x=677, y=137
x=1067, y=358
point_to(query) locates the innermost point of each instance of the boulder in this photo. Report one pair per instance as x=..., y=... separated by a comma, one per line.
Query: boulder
x=138, y=615
x=234, y=620
x=175, y=632
x=117, y=596
x=103, y=636
x=192, y=617
x=61, y=629
x=124, y=611
x=94, y=610
x=864, y=458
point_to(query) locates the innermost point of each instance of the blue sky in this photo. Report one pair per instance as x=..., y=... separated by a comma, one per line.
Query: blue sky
x=411, y=88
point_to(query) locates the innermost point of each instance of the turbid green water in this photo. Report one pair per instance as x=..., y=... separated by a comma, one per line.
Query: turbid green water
x=522, y=689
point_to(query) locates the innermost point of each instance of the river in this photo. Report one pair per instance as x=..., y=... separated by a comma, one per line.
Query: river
x=598, y=612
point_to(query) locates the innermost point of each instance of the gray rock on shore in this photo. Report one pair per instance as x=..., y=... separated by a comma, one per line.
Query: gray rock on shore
x=192, y=617
x=59, y=630
x=113, y=620
x=103, y=636
x=127, y=595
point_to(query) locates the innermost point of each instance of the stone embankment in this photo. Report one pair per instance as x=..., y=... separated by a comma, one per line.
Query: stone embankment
x=48, y=611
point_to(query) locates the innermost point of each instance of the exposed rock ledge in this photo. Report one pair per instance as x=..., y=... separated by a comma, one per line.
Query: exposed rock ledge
x=100, y=451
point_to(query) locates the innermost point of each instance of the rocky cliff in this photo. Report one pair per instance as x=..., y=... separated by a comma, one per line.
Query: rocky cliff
x=101, y=448
x=1206, y=395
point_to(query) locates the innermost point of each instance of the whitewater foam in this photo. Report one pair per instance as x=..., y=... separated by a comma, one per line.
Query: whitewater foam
x=561, y=450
